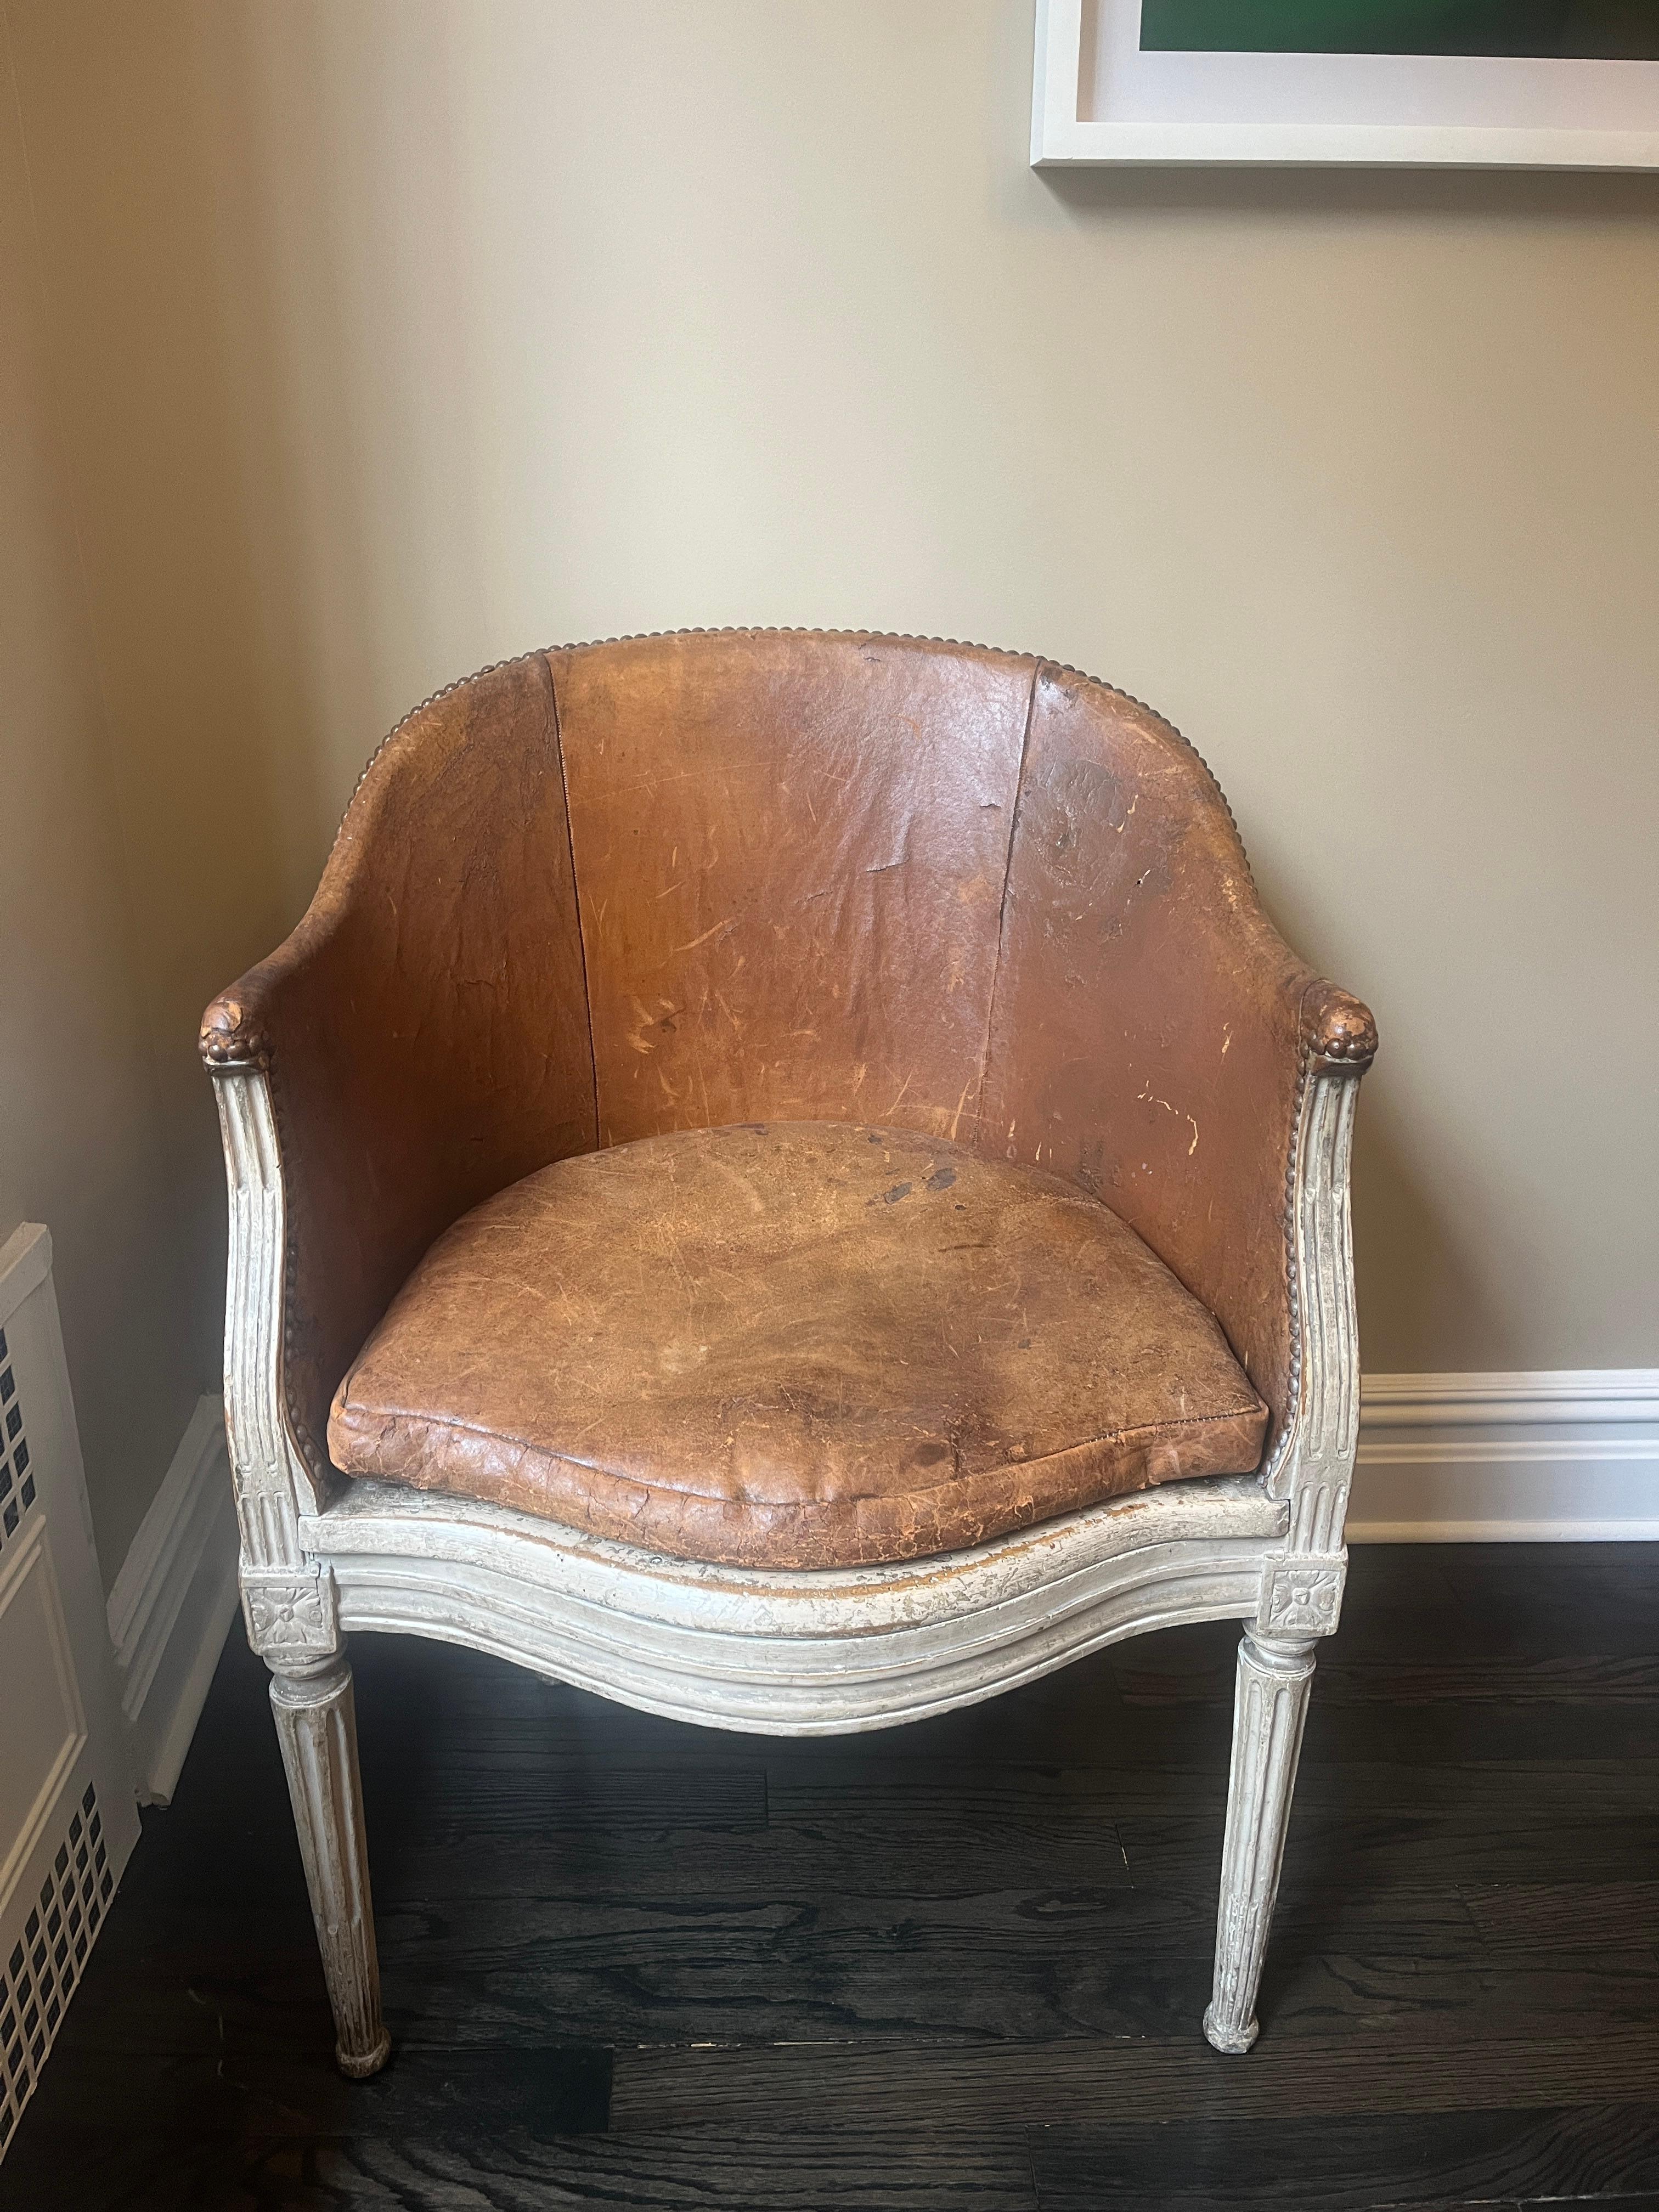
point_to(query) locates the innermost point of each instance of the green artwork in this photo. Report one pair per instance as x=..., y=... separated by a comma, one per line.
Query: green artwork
x=1600, y=30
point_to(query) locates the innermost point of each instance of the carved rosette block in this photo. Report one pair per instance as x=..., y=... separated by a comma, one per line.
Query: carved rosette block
x=1269, y=1708
x=1301, y=1596
x=317, y=1726
x=292, y=1617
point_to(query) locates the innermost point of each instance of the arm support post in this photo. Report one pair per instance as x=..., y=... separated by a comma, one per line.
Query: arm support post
x=1302, y=1588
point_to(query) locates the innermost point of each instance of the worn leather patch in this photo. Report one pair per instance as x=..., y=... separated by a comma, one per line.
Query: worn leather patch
x=1146, y=1043
x=791, y=856
x=794, y=1345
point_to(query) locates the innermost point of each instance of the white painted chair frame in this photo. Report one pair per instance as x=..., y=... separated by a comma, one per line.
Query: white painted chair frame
x=823, y=1653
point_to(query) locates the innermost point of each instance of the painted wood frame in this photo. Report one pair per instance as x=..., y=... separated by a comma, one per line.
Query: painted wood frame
x=1064, y=136
x=818, y=1653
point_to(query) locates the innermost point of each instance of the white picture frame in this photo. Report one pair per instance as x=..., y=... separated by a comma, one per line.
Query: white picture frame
x=1098, y=101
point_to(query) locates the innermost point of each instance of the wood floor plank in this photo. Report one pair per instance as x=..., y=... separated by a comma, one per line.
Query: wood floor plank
x=1322, y=1996
x=430, y=2171
x=937, y=1829
x=1042, y=1965
x=1484, y=1689
x=1050, y=2083
x=649, y=1987
x=856, y=2171
x=1076, y=1854
x=186, y=1934
x=1406, y=1684
x=1453, y=1847
x=1542, y=1623
x=1605, y=1573
x=1566, y=1919
x=229, y=2094
x=904, y=1947
x=1619, y=2200
x=478, y=1801
x=652, y=1978
x=1438, y=2160
x=662, y=1995
x=1167, y=1714
x=1476, y=1733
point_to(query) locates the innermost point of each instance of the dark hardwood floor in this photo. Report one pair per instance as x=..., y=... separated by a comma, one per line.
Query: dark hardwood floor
x=632, y=1963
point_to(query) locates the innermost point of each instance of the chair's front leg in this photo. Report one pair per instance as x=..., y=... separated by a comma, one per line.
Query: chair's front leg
x=1269, y=1707
x=288, y=1601
x=317, y=1727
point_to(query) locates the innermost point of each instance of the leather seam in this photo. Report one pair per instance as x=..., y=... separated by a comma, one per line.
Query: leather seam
x=576, y=892
x=1013, y=1467
x=1002, y=908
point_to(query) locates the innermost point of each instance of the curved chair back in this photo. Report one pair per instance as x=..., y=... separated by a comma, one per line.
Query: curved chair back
x=680, y=881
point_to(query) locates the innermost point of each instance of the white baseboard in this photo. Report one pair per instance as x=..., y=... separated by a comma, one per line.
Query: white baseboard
x=171, y=1607
x=1547, y=1457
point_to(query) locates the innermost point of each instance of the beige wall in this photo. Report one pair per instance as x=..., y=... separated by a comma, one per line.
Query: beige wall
x=396, y=335
x=84, y=1145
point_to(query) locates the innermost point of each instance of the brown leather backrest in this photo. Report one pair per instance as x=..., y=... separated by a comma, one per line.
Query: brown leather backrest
x=682, y=881
x=790, y=853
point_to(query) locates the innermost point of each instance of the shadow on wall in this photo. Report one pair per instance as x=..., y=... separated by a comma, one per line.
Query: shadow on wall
x=1419, y=1280
x=358, y=419
x=162, y=328
x=1419, y=1284
x=205, y=331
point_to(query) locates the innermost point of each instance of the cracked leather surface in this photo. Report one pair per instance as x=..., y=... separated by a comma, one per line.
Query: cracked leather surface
x=1148, y=1038
x=792, y=863
x=800, y=1345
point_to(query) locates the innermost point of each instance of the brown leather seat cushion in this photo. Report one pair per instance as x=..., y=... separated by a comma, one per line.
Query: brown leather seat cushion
x=807, y=1344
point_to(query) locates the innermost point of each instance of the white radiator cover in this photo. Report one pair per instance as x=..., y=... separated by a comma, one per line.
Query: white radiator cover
x=68, y=1816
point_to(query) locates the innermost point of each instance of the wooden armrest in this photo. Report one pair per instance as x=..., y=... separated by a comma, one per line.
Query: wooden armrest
x=232, y=1033
x=1338, y=1030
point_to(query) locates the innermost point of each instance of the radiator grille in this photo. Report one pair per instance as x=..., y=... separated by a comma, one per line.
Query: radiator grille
x=36, y=1981
x=16, y=1482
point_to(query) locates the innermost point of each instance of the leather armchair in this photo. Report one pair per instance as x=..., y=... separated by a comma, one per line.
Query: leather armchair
x=711, y=1024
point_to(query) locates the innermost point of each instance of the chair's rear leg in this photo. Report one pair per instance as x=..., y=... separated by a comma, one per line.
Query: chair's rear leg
x=317, y=1727
x=1269, y=1707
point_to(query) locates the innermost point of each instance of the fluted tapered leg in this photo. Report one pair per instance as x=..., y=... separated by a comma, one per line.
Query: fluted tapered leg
x=317, y=1727
x=1269, y=1707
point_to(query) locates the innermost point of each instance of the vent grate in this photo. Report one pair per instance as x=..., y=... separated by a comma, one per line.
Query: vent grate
x=16, y=1478
x=37, y=1980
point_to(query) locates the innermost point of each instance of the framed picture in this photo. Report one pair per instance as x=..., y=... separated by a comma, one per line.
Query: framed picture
x=1548, y=84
